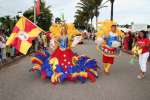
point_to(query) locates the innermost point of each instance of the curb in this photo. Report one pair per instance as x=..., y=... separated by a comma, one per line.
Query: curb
x=10, y=61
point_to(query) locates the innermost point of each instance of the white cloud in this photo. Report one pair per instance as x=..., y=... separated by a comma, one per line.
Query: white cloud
x=11, y=7
x=125, y=11
x=64, y=6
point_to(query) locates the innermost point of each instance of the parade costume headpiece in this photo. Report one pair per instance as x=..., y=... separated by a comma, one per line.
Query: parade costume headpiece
x=105, y=28
x=55, y=29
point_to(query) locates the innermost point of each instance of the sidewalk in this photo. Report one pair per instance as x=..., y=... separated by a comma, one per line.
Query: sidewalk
x=10, y=61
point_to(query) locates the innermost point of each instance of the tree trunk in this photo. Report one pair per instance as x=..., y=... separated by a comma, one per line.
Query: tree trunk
x=91, y=24
x=96, y=17
x=96, y=23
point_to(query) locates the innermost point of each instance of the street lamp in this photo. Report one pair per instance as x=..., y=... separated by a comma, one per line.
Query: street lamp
x=20, y=13
x=112, y=9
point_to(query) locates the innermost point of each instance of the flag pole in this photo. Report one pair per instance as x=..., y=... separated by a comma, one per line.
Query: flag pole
x=35, y=11
x=62, y=15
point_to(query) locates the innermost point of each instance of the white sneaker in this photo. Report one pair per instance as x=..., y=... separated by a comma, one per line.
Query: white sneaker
x=140, y=77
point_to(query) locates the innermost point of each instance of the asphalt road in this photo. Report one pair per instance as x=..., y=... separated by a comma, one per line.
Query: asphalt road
x=16, y=83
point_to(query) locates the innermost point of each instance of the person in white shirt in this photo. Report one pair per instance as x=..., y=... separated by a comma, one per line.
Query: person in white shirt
x=3, y=48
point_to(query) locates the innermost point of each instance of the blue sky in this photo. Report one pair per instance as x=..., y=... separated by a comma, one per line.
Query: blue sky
x=125, y=11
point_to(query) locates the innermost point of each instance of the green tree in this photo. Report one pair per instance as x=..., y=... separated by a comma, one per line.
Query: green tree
x=87, y=9
x=45, y=17
x=7, y=23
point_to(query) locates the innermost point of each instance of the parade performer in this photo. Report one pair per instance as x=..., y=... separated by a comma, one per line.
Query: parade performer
x=63, y=64
x=108, y=43
x=141, y=49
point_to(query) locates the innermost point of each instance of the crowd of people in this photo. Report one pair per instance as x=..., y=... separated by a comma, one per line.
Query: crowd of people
x=5, y=51
x=131, y=38
x=140, y=39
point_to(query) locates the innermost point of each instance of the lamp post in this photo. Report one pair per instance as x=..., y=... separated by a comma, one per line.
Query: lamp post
x=19, y=13
x=112, y=9
x=34, y=11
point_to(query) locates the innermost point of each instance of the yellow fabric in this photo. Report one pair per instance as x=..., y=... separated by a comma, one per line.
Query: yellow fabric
x=21, y=23
x=54, y=62
x=74, y=75
x=55, y=77
x=105, y=28
x=136, y=50
x=84, y=74
x=94, y=72
x=55, y=30
x=107, y=67
x=24, y=47
x=25, y=44
x=35, y=32
x=11, y=38
x=37, y=67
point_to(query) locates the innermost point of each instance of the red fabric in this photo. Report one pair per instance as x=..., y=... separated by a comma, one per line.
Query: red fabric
x=17, y=43
x=29, y=26
x=144, y=42
x=108, y=50
x=107, y=59
x=38, y=4
x=15, y=29
x=64, y=57
x=48, y=34
x=126, y=43
x=91, y=77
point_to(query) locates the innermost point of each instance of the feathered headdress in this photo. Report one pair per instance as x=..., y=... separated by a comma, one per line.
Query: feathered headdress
x=105, y=28
x=56, y=28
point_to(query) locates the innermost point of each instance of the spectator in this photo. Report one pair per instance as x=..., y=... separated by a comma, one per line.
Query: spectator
x=3, y=48
x=144, y=43
x=126, y=42
x=44, y=40
x=130, y=42
x=36, y=45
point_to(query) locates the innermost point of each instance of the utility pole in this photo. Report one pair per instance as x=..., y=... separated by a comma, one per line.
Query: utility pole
x=35, y=11
x=112, y=9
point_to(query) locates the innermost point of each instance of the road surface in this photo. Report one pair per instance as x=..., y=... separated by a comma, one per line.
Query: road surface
x=16, y=83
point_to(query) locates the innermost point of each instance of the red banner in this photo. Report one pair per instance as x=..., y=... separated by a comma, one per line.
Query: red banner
x=38, y=4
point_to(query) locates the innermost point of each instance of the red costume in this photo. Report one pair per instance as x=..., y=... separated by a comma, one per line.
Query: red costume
x=64, y=57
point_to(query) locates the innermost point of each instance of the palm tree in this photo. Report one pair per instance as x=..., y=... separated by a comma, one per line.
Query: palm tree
x=85, y=8
x=102, y=5
x=7, y=23
x=82, y=18
x=90, y=8
x=112, y=9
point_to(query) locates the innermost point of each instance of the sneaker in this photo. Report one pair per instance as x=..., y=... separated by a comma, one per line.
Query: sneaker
x=140, y=77
x=106, y=73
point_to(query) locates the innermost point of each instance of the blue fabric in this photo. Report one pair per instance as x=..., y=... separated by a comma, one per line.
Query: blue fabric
x=81, y=65
x=111, y=39
x=64, y=43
